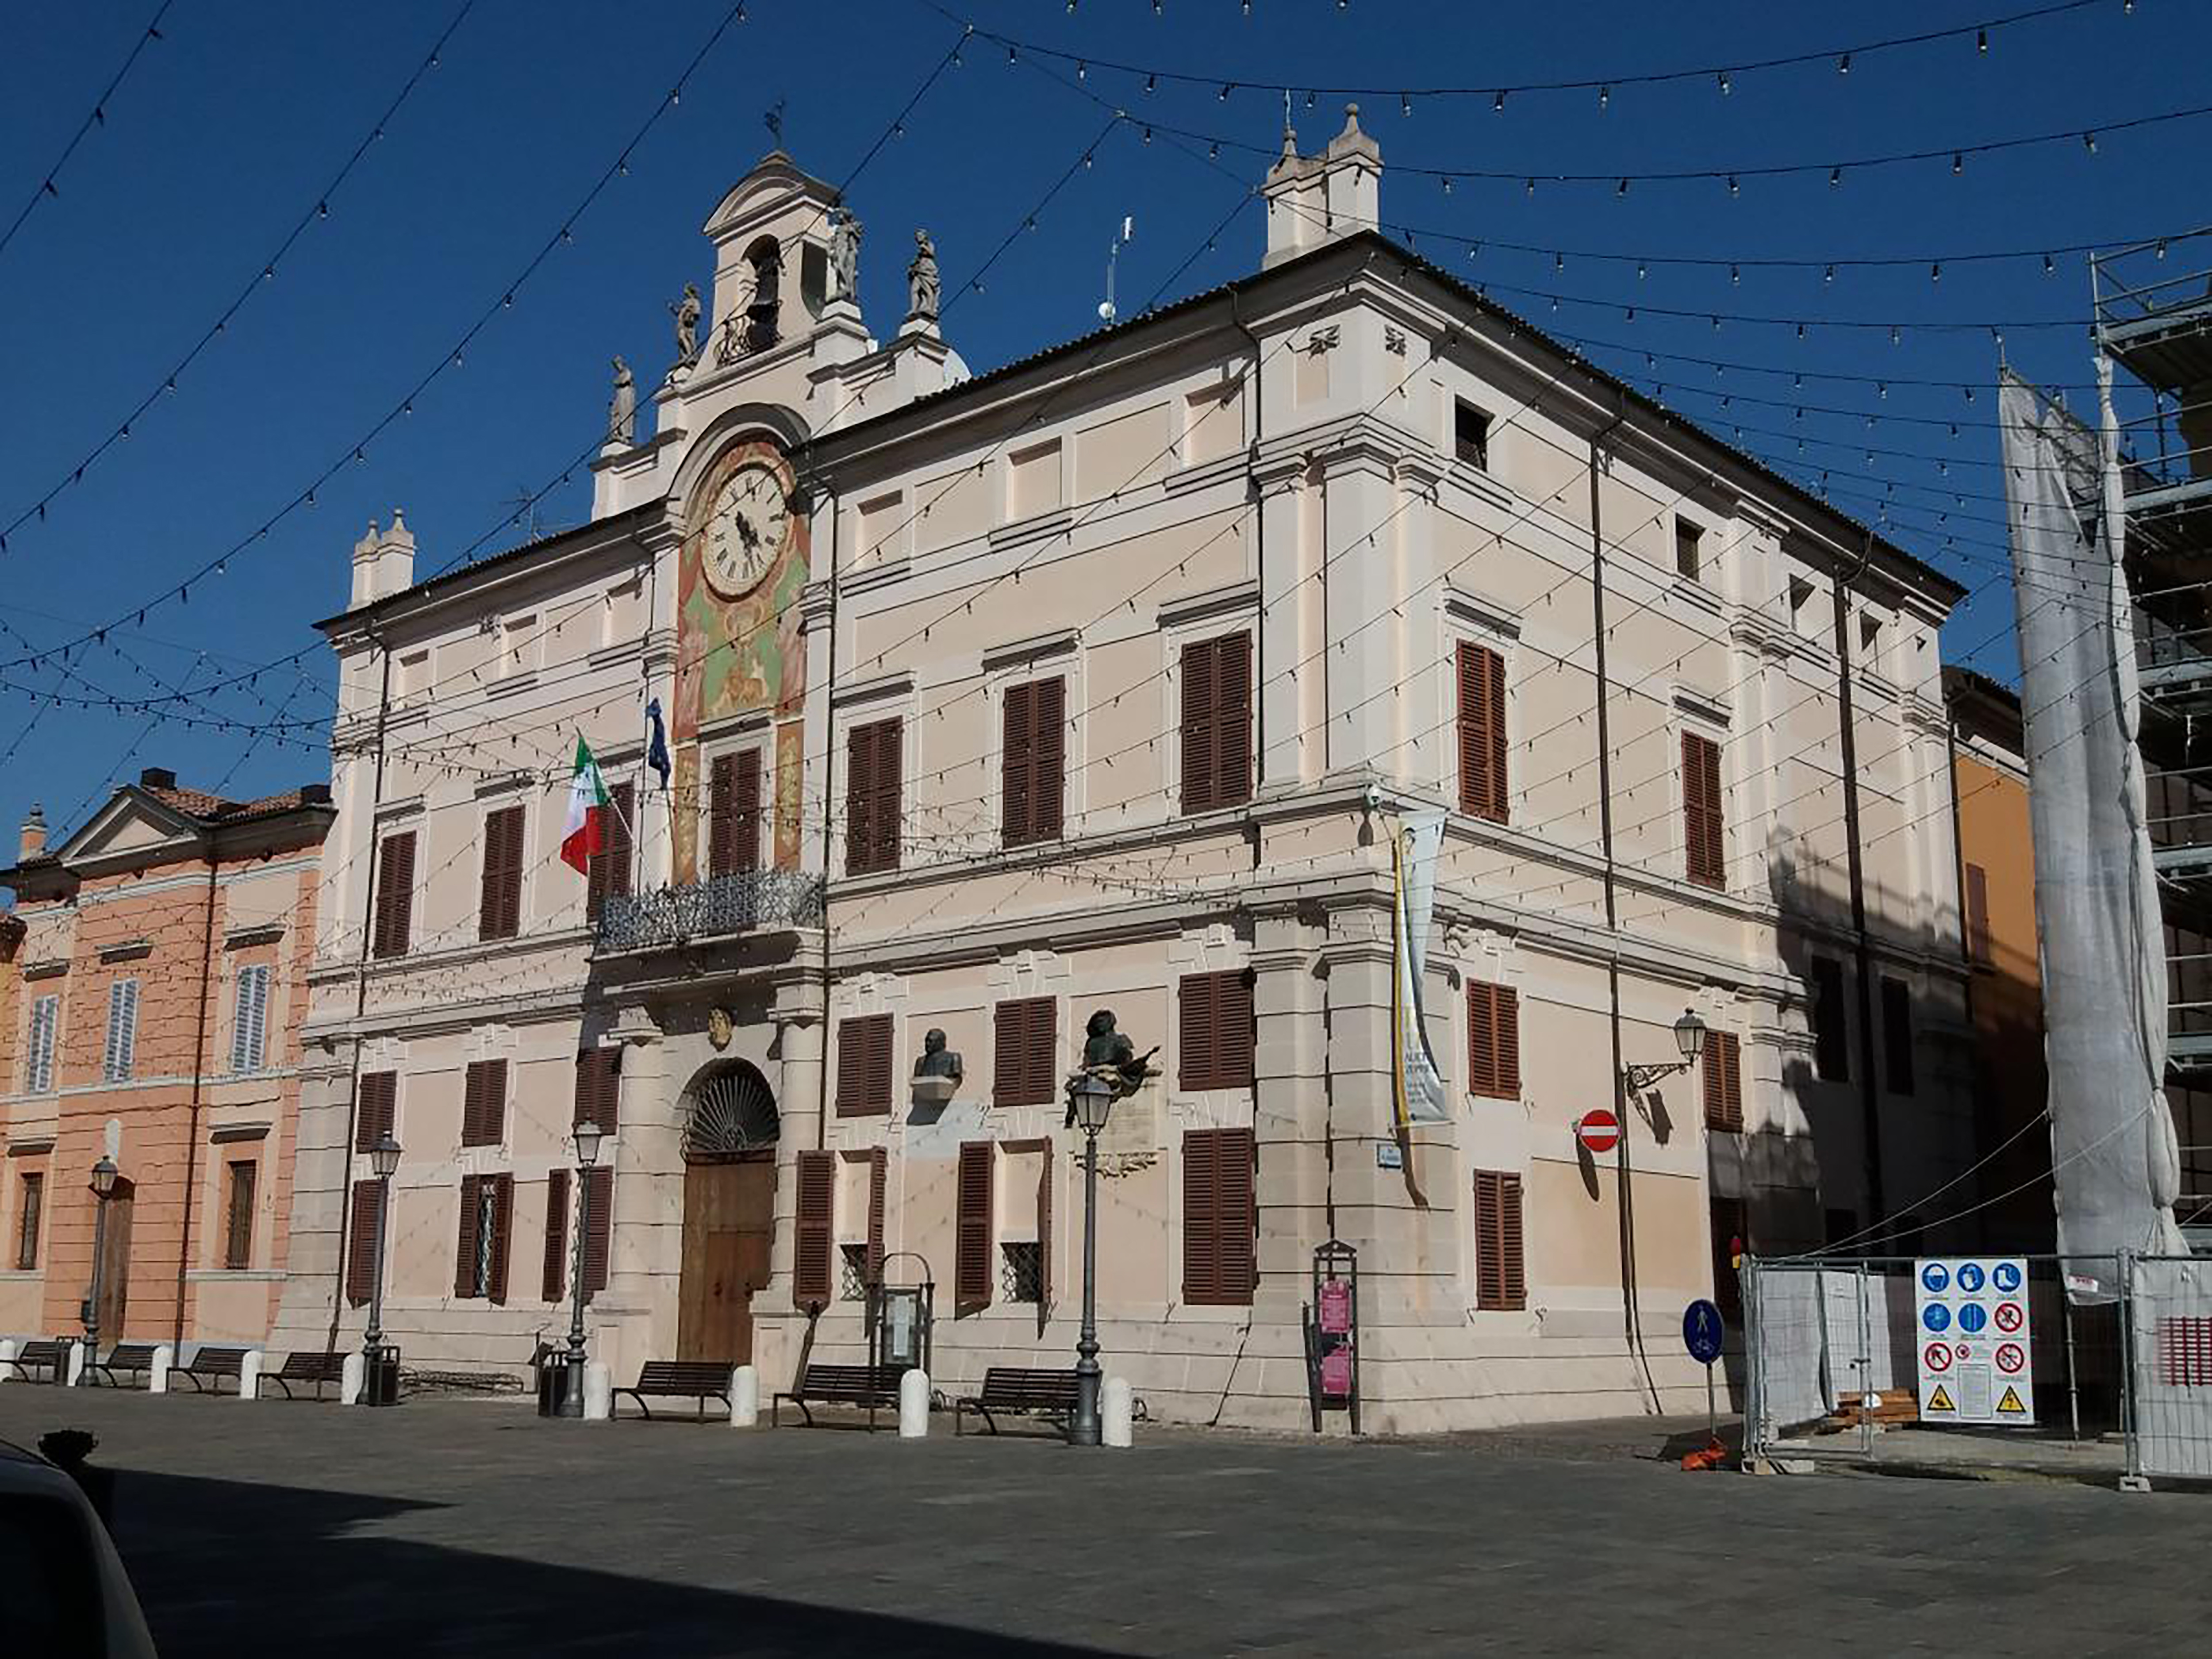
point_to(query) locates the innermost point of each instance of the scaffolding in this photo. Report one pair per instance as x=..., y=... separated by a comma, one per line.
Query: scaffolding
x=2153, y=317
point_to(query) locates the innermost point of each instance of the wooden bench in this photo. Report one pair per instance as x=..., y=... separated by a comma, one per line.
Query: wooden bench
x=1017, y=1389
x=694, y=1379
x=51, y=1352
x=210, y=1366
x=136, y=1357
x=309, y=1367
x=840, y=1385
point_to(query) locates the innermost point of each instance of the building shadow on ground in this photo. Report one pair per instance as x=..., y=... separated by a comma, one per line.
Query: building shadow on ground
x=225, y=1567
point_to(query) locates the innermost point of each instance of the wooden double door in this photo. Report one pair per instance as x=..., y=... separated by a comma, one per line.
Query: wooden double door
x=729, y=1222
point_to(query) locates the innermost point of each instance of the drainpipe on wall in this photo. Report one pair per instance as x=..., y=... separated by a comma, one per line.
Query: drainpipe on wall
x=1982, y=1105
x=200, y=1069
x=828, y=773
x=359, y=998
x=1870, y=1085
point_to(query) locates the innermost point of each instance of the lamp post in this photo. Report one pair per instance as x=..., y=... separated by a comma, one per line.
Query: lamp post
x=103, y=1184
x=1689, y=1038
x=384, y=1160
x=1093, y=1101
x=587, y=1135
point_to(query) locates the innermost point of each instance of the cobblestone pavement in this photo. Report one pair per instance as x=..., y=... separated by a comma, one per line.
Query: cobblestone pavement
x=472, y=1527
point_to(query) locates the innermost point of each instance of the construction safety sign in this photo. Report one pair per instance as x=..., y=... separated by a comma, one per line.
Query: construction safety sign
x=1971, y=1316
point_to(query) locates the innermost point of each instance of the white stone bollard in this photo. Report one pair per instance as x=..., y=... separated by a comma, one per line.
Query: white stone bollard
x=352, y=1373
x=914, y=1405
x=157, y=1379
x=9, y=1347
x=1116, y=1412
x=744, y=1397
x=249, y=1374
x=598, y=1391
x=76, y=1366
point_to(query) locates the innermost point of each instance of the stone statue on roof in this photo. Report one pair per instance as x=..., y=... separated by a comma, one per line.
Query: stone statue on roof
x=923, y=289
x=686, y=311
x=622, y=408
x=845, y=254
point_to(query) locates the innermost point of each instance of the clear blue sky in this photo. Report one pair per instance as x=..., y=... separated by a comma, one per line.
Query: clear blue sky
x=228, y=128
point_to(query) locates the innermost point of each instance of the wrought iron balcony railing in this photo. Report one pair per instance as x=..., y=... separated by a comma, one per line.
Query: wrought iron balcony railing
x=713, y=909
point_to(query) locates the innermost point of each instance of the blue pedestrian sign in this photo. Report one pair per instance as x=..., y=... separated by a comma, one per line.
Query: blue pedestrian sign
x=1936, y=1277
x=1970, y=1277
x=1702, y=1329
x=2006, y=1277
x=1935, y=1317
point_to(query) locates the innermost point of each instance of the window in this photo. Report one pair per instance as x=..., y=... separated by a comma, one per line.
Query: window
x=1870, y=642
x=1831, y=1051
x=864, y=1066
x=1032, y=756
x=1024, y=1068
x=1482, y=732
x=484, y=1103
x=480, y=1256
x=250, y=1023
x=1500, y=1278
x=500, y=914
x=361, y=1225
x=1494, y=1040
x=238, y=1217
x=554, y=1285
x=1897, y=1034
x=1217, y=723
x=852, y=1272
x=873, y=762
x=609, y=876
x=733, y=813
x=1730, y=1237
x=1214, y=1030
x=1977, y=917
x=33, y=1188
x=39, y=1058
x=1703, y=852
x=376, y=1109
x=1689, y=559
x=1722, y=1078
x=971, y=1253
x=518, y=644
x=1021, y=1272
x=599, y=1086
x=395, y=895
x=1471, y=435
x=1220, y=1260
x=1802, y=616
x=122, y=1030
x=1033, y=479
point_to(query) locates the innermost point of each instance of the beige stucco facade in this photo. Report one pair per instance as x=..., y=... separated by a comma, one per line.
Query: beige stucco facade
x=1284, y=459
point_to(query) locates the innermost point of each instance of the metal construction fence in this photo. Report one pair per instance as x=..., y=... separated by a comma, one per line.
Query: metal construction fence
x=1984, y=1360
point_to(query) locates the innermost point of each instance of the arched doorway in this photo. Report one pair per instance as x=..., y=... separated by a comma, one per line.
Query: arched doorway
x=730, y=1128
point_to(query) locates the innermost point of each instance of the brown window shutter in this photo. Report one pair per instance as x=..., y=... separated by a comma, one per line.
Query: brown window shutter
x=1022, y=1053
x=1201, y=783
x=609, y=876
x=1236, y=1031
x=361, y=1244
x=484, y=1103
x=238, y=1243
x=817, y=1191
x=502, y=1233
x=1723, y=1082
x=1500, y=1272
x=1977, y=915
x=722, y=816
x=395, y=895
x=1197, y=1020
x=556, y=1236
x=889, y=763
x=878, y=1162
x=971, y=1259
x=864, y=1066
x=859, y=798
x=1017, y=763
x=465, y=1250
x=872, y=782
x=1232, y=719
x=598, y=1087
x=1219, y=1246
x=375, y=1113
x=748, y=813
x=598, y=1227
x=1047, y=785
x=1494, y=1040
x=1482, y=732
x=1703, y=843
x=1044, y=1226
x=498, y=914
x=1513, y=1263
x=1236, y=1217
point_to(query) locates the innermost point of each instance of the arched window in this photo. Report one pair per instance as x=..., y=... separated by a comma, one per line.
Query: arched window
x=766, y=258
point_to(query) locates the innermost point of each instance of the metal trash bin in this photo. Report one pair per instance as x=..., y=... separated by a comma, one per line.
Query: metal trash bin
x=379, y=1383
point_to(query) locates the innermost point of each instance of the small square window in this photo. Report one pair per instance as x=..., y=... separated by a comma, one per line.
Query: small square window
x=1021, y=1274
x=1471, y=435
x=852, y=1280
x=1689, y=557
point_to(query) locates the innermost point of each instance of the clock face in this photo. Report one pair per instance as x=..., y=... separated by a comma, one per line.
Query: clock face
x=747, y=529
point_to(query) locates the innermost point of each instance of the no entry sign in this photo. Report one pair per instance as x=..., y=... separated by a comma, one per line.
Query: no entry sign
x=1599, y=1131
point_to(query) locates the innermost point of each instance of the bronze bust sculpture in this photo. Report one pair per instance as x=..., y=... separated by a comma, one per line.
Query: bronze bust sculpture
x=937, y=1060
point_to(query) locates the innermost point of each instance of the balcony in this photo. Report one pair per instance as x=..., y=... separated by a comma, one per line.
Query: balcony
x=716, y=909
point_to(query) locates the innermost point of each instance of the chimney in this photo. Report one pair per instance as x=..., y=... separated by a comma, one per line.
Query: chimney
x=1314, y=199
x=34, y=835
x=315, y=794
x=383, y=562
x=157, y=777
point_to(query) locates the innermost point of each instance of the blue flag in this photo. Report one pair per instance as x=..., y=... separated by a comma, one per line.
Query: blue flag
x=656, y=741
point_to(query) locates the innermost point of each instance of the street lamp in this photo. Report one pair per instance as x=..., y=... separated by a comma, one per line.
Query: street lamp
x=1689, y=1037
x=103, y=1184
x=378, y=1389
x=587, y=1134
x=1093, y=1101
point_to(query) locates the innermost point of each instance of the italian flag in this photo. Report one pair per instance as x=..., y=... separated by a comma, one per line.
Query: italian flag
x=588, y=807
